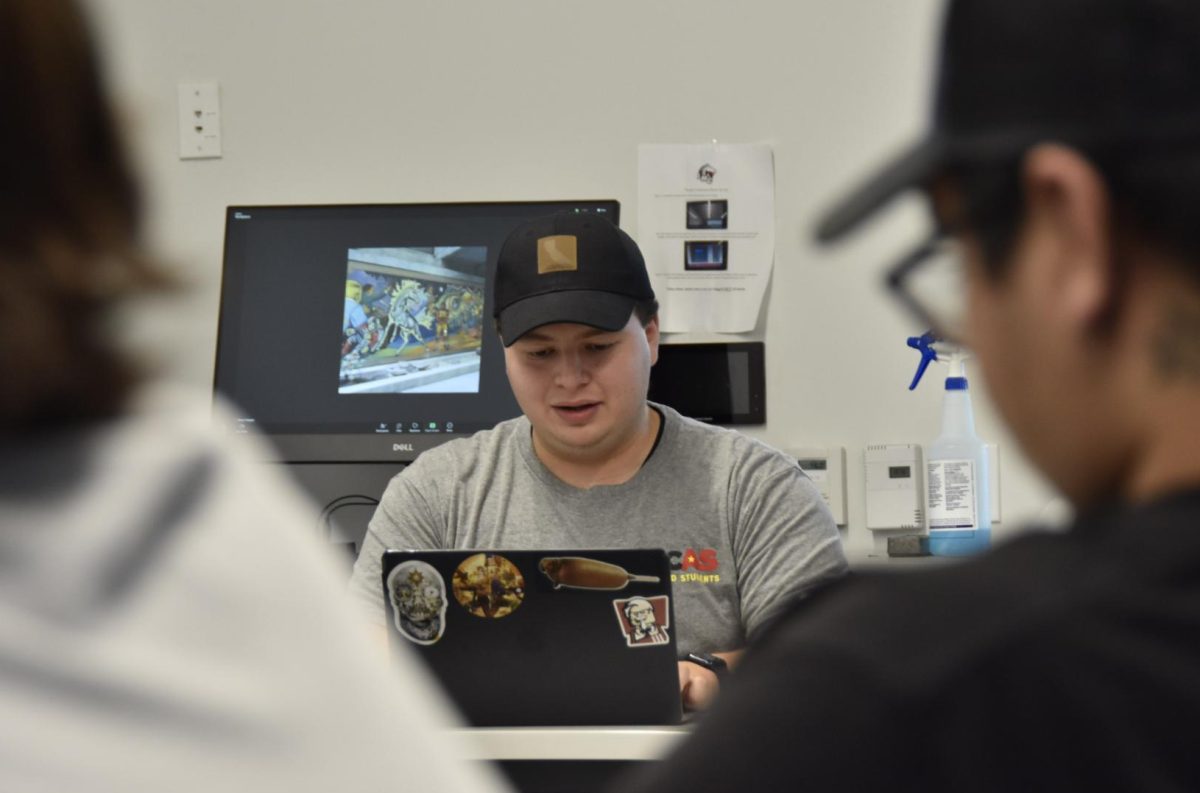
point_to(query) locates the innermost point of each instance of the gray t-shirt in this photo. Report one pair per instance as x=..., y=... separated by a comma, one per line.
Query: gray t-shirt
x=744, y=527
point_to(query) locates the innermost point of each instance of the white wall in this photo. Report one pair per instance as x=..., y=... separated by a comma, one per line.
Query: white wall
x=362, y=101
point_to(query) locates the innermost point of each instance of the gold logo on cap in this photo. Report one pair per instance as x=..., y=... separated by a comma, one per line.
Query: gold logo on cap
x=557, y=254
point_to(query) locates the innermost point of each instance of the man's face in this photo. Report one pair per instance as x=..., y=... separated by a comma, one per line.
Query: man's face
x=583, y=389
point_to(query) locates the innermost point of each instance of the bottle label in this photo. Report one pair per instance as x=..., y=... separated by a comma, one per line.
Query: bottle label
x=952, y=495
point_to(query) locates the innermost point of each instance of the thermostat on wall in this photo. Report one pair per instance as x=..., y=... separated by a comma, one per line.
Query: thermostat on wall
x=895, y=497
x=827, y=470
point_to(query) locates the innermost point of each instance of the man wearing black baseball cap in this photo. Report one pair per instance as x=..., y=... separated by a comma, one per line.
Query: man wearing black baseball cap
x=1064, y=170
x=592, y=463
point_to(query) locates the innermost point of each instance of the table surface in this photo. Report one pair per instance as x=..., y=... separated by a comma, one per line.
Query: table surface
x=570, y=743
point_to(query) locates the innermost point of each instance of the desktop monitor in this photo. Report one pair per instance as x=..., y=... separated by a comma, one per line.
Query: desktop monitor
x=364, y=333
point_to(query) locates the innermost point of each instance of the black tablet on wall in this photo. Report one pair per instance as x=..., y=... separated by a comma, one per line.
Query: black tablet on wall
x=714, y=383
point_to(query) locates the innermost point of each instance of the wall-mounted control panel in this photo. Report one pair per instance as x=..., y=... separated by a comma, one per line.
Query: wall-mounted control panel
x=894, y=489
x=826, y=467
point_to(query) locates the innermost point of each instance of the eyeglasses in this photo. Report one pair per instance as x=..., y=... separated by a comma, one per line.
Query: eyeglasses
x=930, y=281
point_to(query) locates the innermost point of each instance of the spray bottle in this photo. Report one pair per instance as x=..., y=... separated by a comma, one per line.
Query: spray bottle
x=957, y=507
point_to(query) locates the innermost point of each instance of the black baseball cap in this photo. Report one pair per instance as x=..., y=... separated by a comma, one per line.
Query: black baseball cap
x=1012, y=73
x=569, y=267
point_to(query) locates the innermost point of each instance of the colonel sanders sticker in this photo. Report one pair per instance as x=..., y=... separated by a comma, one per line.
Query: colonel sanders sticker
x=418, y=596
x=644, y=621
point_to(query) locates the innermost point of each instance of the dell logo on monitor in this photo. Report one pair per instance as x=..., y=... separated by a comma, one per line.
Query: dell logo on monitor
x=402, y=447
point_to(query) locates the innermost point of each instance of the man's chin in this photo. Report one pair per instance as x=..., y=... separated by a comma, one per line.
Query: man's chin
x=577, y=441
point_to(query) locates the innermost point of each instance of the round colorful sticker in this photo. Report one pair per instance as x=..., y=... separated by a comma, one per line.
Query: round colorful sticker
x=488, y=585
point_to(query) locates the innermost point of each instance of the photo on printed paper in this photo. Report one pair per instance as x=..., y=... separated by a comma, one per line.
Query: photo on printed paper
x=708, y=214
x=413, y=320
x=706, y=255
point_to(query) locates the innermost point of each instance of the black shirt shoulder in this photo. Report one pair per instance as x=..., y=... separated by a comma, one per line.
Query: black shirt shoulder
x=1063, y=661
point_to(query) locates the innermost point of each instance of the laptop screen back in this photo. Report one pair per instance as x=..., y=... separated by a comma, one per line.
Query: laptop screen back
x=541, y=637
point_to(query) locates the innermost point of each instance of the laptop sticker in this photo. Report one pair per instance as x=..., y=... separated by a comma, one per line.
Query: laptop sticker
x=488, y=585
x=644, y=621
x=577, y=572
x=418, y=595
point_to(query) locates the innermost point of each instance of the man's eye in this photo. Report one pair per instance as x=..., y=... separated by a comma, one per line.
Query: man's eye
x=539, y=353
x=601, y=346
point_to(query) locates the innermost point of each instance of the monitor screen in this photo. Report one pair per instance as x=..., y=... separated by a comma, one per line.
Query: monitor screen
x=362, y=333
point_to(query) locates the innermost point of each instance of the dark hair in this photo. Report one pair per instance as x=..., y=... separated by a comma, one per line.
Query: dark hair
x=992, y=207
x=645, y=310
x=1155, y=196
x=69, y=210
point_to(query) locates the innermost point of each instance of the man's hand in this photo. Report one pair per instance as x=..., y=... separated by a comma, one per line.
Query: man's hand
x=698, y=686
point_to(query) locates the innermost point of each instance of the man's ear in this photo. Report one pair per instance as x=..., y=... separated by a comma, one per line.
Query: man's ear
x=1068, y=201
x=651, y=329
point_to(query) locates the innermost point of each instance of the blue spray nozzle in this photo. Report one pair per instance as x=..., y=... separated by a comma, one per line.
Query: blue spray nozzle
x=932, y=349
x=924, y=345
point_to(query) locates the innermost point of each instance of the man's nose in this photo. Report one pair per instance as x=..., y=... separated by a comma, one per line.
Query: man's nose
x=572, y=369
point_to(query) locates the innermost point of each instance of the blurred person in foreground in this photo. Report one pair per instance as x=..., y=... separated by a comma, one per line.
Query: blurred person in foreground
x=144, y=643
x=1063, y=172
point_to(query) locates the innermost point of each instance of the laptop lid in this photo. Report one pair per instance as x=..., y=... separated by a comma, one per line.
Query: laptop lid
x=523, y=638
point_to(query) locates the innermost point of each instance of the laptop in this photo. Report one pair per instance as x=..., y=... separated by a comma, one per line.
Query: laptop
x=541, y=638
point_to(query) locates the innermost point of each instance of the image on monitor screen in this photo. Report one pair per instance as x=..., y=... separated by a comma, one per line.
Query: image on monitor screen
x=413, y=320
x=364, y=333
